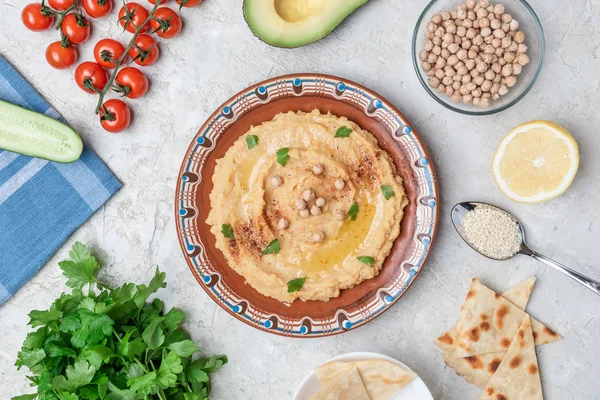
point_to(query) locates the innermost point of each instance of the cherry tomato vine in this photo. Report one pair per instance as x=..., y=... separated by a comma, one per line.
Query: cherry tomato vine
x=92, y=76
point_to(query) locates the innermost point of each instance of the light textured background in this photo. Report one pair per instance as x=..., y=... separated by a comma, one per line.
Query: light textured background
x=215, y=57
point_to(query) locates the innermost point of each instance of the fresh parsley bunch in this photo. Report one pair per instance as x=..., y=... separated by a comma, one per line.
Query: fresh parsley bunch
x=111, y=344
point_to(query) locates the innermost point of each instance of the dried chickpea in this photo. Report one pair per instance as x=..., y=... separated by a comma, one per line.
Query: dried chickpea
x=441, y=89
x=506, y=41
x=496, y=24
x=484, y=22
x=440, y=74
x=447, y=81
x=476, y=93
x=466, y=78
x=517, y=69
x=423, y=55
x=470, y=4
x=436, y=19
x=519, y=37
x=478, y=80
x=511, y=81
x=426, y=66
x=468, y=98
x=499, y=33
x=498, y=9
x=514, y=46
x=489, y=74
x=506, y=18
x=514, y=25
x=494, y=88
x=496, y=68
x=523, y=59
x=456, y=85
x=507, y=70
x=445, y=53
x=522, y=48
x=449, y=91
x=431, y=58
x=502, y=62
x=461, y=31
x=445, y=15
x=453, y=60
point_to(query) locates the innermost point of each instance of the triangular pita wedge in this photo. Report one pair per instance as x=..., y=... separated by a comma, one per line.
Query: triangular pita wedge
x=488, y=322
x=347, y=385
x=381, y=378
x=478, y=370
x=518, y=376
x=518, y=295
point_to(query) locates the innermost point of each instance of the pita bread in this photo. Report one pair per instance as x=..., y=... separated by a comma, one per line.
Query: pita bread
x=518, y=376
x=488, y=323
x=381, y=378
x=346, y=385
x=478, y=370
x=518, y=295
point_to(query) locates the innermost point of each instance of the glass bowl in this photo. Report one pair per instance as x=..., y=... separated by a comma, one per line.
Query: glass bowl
x=534, y=39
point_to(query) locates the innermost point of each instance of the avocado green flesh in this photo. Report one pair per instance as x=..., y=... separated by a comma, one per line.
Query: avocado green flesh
x=33, y=134
x=293, y=23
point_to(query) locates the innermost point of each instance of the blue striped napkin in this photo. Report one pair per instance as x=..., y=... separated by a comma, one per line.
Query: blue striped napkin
x=41, y=202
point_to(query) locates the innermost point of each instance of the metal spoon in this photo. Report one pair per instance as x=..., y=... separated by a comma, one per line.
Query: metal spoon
x=461, y=209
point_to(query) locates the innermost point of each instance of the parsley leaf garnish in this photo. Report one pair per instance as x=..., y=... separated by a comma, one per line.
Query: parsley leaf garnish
x=295, y=284
x=366, y=259
x=251, y=141
x=353, y=211
x=343, y=131
x=387, y=191
x=227, y=231
x=273, y=247
x=80, y=269
x=283, y=156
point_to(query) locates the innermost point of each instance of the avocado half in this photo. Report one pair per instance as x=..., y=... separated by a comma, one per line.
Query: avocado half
x=295, y=23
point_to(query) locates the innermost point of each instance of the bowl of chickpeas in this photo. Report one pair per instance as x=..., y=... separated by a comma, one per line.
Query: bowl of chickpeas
x=478, y=57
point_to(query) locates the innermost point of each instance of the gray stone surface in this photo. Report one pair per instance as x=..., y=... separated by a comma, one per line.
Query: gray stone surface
x=215, y=57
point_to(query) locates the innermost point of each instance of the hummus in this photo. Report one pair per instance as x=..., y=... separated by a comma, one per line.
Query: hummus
x=354, y=201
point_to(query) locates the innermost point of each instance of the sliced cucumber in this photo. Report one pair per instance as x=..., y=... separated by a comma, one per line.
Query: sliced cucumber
x=33, y=134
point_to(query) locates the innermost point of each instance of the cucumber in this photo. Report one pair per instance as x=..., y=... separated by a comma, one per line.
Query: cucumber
x=34, y=134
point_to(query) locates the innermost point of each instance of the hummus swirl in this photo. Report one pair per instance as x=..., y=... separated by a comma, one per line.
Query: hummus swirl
x=247, y=199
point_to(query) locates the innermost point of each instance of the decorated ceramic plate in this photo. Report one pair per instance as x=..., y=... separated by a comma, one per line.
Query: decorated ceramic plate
x=416, y=390
x=257, y=104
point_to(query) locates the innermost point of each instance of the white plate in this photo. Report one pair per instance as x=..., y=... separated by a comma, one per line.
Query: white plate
x=416, y=390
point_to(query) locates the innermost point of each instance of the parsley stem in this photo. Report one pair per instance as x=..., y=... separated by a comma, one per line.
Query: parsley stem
x=108, y=86
x=141, y=365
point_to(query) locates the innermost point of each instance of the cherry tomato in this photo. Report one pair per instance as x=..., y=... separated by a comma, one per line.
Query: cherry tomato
x=132, y=15
x=166, y=24
x=61, y=54
x=188, y=3
x=36, y=17
x=107, y=52
x=91, y=77
x=76, y=28
x=115, y=116
x=60, y=5
x=145, y=51
x=97, y=8
x=161, y=1
x=131, y=82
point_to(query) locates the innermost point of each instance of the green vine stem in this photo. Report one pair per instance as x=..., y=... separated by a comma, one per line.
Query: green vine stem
x=109, y=84
x=63, y=14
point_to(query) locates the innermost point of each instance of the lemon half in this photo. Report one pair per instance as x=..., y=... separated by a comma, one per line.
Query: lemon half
x=535, y=162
